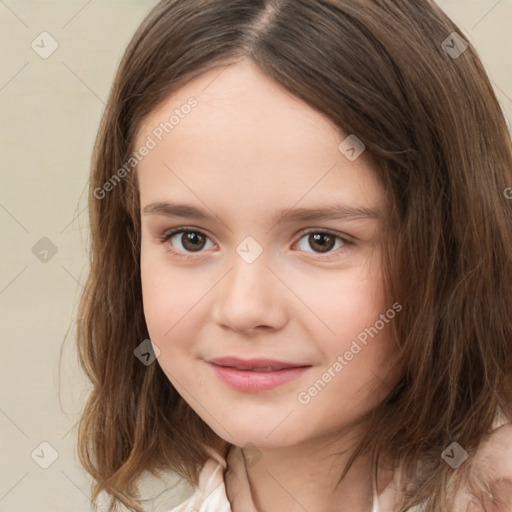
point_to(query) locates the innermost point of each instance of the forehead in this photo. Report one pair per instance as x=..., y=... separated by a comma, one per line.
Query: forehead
x=239, y=101
x=246, y=134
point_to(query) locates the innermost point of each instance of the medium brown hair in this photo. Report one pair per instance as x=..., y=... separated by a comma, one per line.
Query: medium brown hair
x=434, y=128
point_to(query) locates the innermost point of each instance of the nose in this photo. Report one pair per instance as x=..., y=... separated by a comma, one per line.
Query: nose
x=250, y=297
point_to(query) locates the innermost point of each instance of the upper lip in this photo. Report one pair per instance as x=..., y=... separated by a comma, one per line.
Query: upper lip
x=250, y=364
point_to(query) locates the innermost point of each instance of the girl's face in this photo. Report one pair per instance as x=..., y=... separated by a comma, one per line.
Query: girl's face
x=269, y=314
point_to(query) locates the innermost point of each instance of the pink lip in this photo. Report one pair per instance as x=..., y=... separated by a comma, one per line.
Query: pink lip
x=249, y=375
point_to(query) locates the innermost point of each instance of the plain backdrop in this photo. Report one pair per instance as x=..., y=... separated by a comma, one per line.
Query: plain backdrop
x=50, y=110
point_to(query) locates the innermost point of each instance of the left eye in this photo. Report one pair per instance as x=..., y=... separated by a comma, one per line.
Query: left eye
x=193, y=241
x=324, y=241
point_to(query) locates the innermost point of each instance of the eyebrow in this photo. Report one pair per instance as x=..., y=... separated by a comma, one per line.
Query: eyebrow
x=333, y=212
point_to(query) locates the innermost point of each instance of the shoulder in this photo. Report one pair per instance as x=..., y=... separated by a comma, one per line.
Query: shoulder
x=491, y=472
x=486, y=486
x=495, y=452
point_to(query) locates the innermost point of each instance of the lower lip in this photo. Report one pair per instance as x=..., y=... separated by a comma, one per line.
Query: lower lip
x=253, y=382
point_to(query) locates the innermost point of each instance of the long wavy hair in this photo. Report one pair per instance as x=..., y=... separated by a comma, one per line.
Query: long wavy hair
x=393, y=73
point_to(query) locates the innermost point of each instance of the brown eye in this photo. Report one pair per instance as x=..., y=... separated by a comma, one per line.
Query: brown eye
x=192, y=241
x=185, y=240
x=321, y=242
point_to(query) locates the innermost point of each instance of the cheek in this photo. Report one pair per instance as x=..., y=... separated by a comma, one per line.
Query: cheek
x=174, y=302
x=165, y=308
x=363, y=330
x=167, y=304
x=357, y=343
x=164, y=296
x=347, y=303
x=356, y=313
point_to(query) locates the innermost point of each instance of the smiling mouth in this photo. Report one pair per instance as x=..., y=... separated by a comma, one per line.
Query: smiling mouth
x=254, y=376
x=262, y=369
x=255, y=365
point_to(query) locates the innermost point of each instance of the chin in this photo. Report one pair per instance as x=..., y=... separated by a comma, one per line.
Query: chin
x=263, y=436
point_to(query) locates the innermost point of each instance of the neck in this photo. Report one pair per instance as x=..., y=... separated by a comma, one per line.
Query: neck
x=303, y=477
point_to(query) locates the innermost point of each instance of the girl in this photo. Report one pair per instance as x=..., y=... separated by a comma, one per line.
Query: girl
x=299, y=295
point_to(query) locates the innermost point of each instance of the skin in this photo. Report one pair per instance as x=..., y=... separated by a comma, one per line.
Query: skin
x=248, y=150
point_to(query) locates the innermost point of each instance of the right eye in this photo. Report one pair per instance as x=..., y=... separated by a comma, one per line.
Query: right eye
x=191, y=241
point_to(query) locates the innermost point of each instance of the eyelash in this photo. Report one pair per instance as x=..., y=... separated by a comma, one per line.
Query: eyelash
x=188, y=256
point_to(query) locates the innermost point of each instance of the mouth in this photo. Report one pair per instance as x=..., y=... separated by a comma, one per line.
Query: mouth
x=256, y=375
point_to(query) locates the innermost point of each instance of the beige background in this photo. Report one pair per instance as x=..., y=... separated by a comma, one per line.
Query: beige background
x=50, y=113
